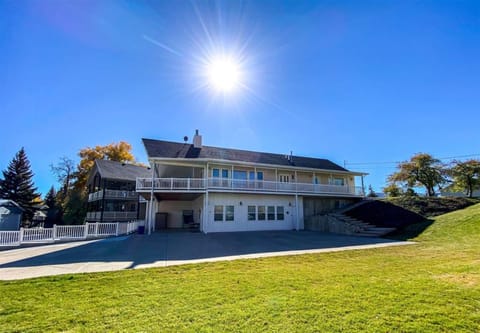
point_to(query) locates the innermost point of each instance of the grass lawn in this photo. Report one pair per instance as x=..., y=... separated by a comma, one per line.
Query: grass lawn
x=433, y=286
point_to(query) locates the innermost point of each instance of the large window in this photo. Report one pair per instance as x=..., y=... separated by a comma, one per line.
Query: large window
x=271, y=213
x=280, y=213
x=215, y=173
x=224, y=173
x=261, y=213
x=218, y=213
x=229, y=213
x=252, y=213
x=338, y=181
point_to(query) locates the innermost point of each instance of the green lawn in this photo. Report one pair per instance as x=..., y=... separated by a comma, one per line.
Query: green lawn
x=433, y=286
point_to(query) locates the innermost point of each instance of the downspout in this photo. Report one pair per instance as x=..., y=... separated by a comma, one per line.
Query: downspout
x=150, y=206
x=296, y=209
x=205, y=203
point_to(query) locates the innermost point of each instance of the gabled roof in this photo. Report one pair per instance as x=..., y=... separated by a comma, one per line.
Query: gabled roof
x=121, y=171
x=10, y=204
x=167, y=149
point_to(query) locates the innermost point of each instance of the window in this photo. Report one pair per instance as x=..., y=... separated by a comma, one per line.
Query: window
x=284, y=178
x=259, y=175
x=251, y=175
x=271, y=213
x=261, y=213
x=252, y=212
x=338, y=181
x=280, y=214
x=218, y=213
x=315, y=180
x=224, y=173
x=229, y=213
x=238, y=174
x=215, y=173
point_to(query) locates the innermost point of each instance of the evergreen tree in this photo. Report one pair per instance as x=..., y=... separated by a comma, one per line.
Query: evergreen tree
x=17, y=184
x=54, y=211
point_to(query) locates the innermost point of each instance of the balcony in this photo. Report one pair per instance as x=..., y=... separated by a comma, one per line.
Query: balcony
x=111, y=216
x=237, y=185
x=113, y=194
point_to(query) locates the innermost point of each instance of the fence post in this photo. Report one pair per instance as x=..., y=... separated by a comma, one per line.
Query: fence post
x=54, y=232
x=96, y=229
x=116, y=230
x=20, y=236
x=85, y=232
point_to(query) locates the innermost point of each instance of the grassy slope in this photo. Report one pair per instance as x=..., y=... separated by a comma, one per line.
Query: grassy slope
x=432, y=206
x=431, y=286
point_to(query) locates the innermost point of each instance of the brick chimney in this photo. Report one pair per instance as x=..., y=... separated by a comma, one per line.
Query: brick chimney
x=197, y=140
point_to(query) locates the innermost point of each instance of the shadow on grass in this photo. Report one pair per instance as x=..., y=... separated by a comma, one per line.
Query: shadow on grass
x=411, y=231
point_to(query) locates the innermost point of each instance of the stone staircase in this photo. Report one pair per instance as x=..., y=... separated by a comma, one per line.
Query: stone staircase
x=360, y=228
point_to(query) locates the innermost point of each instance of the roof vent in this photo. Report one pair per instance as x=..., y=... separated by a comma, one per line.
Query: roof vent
x=197, y=140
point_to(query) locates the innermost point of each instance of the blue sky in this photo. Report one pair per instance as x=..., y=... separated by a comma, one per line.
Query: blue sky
x=355, y=81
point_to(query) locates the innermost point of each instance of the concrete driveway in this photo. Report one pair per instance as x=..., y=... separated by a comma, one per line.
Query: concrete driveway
x=171, y=248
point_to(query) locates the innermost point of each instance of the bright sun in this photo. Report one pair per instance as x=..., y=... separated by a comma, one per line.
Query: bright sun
x=224, y=74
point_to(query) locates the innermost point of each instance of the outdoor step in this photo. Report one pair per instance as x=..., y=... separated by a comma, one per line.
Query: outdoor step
x=375, y=233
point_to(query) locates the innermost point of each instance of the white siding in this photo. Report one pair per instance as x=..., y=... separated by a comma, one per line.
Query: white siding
x=241, y=222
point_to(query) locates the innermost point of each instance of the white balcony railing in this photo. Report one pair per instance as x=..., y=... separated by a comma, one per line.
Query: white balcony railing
x=111, y=216
x=113, y=194
x=200, y=184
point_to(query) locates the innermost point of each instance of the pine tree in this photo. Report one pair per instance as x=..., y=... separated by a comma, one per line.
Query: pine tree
x=54, y=210
x=17, y=184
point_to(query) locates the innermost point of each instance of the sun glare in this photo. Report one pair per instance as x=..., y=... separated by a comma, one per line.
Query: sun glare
x=223, y=74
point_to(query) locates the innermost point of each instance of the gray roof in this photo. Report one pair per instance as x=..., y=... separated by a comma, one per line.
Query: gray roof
x=9, y=203
x=167, y=149
x=122, y=171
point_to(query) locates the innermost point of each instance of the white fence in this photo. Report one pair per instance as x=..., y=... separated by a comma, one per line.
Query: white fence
x=67, y=232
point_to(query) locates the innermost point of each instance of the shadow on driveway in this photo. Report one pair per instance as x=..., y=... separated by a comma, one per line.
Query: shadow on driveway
x=166, y=248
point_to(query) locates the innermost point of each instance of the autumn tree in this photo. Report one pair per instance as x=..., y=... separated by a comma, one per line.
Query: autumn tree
x=465, y=176
x=17, y=185
x=120, y=152
x=422, y=170
x=392, y=190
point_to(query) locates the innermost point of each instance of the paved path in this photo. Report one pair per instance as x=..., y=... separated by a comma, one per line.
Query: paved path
x=171, y=248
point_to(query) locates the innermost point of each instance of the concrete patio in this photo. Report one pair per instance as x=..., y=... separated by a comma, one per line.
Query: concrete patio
x=171, y=248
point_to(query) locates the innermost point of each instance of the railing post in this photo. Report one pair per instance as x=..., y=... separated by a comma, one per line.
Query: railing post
x=188, y=184
x=85, y=232
x=54, y=232
x=116, y=230
x=20, y=236
x=171, y=183
x=96, y=229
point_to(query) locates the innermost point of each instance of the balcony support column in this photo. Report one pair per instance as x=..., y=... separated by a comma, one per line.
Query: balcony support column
x=150, y=206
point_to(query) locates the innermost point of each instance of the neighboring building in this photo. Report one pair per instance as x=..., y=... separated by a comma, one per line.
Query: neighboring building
x=221, y=189
x=447, y=193
x=112, y=196
x=10, y=215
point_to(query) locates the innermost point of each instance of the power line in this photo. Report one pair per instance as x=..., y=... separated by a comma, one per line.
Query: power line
x=398, y=162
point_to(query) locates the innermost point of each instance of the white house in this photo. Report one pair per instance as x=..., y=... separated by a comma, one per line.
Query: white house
x=221, y=189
